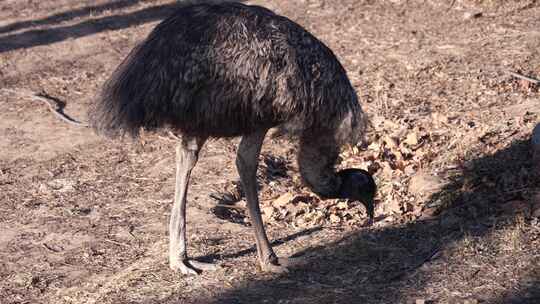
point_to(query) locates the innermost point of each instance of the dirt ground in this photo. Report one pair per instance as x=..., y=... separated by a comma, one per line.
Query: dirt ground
x=84, y=220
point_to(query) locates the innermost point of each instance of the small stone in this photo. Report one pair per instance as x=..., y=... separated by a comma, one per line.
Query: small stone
x=62, y=185
x=43, y=188
x=472, y=15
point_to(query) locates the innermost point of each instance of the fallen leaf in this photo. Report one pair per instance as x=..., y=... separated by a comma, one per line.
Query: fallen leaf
x=334, y=219
x=343, y=205
x=301, y=222
x=315, y=217
x=390, y=142
x=439, y=118
x=268, y=211
x=386, y=170
x=409, y=169
x=374, y=146
x=392, y=206
x=283, y=200
x=297, y=209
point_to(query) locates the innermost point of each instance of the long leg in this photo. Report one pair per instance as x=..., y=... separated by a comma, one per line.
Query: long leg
x=187, y=152
x=247, y=163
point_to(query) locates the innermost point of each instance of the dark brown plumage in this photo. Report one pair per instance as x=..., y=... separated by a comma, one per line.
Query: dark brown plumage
x=223, y=70
x=229, y=69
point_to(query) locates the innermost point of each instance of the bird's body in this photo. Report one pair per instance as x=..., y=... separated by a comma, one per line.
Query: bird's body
x=225, y=70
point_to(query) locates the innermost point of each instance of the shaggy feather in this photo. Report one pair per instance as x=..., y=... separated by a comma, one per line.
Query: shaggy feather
x=223, y=70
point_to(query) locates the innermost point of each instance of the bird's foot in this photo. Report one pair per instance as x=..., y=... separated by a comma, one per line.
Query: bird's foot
x=192, y=267
x=282, y=265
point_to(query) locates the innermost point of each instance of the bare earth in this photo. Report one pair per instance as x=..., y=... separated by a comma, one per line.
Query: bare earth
x=84, y=220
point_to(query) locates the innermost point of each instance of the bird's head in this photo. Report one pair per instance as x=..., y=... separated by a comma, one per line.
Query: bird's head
x=358, y=185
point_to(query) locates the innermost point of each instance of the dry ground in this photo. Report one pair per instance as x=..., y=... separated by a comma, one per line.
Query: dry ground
x=84, y=220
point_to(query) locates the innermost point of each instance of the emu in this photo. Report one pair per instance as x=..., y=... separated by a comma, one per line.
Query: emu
x=225, y=70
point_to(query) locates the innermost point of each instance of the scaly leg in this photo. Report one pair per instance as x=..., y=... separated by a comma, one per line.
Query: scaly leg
x=187, y=152
x=247, y=163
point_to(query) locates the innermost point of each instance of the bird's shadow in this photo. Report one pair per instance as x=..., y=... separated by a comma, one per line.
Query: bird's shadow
x=213, y=258
x=381, y=265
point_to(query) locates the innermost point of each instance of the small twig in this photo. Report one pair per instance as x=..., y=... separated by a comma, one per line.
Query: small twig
x=50, y=248
x=451, y=5
x=138, y=178
x=529, y=79
x=160, y=278
x=166, y=138
x=117, y=243
x=171, y=137
x=52, y=104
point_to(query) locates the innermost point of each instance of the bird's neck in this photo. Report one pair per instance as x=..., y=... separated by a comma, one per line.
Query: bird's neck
x=316, y=159
x=326, y=185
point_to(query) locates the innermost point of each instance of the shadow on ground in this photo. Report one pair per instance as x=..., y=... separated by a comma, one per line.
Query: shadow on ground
x=390, y=265
x=69, y=15
x=37, y=37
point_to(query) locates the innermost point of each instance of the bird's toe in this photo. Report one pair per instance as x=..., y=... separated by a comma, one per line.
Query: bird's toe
x=192, y=267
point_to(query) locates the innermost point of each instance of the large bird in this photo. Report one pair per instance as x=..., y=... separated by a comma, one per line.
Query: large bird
x=227, y=70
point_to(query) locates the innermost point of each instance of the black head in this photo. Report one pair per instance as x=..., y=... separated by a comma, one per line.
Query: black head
x=358, y=185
